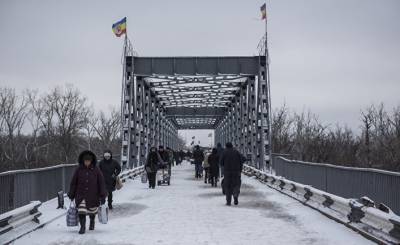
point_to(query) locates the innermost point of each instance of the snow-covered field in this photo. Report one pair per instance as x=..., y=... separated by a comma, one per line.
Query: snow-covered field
x=191, y=212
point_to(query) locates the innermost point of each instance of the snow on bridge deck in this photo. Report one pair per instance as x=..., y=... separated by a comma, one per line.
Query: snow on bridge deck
x=191, y=212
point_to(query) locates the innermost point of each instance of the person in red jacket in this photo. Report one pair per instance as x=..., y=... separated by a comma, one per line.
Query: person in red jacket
x=87, y=188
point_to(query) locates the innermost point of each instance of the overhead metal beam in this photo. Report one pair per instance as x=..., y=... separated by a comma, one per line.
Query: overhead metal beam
x=237, y=65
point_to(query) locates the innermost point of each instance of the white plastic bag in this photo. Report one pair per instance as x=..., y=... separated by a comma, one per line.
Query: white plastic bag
x=72, y=215
x=103, y=214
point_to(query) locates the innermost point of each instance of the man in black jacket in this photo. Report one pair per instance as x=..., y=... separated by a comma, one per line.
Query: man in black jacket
x=232, y=162
x=198, y=157
x=110, y=169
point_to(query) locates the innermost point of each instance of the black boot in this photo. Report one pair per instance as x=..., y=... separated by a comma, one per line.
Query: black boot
x=91, y=224
x=228, y=200
x=235, y=200
x=82, y=222
x=110, y=200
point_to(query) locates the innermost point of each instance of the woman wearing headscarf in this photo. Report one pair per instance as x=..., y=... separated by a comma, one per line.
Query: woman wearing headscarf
x=87, y=188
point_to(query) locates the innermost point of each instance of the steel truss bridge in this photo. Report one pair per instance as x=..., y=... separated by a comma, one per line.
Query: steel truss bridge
x=229, y=95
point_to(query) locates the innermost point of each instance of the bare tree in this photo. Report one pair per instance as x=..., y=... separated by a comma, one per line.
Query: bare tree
x=90, y=132
x=70, y=110
x=108, y=128
x=13, y=114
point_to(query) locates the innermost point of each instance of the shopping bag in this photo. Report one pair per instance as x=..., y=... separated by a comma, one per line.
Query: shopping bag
x=103, y=214
x=72, y=215
x=144, y=178
x=118, y=183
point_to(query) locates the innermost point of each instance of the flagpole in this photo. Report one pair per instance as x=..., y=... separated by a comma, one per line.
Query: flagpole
x=123, y=86
x=269, y=90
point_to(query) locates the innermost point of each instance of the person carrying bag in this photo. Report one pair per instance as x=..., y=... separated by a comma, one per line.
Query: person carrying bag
x=72, y=215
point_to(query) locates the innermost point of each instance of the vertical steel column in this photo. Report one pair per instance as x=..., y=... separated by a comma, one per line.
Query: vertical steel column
x=146, y=120
x=264, y=117
x=245, y=121
x=237, y=125
x=127, y=117
x=232, y=122
x=134, y=147
x=257, y=138
x=157, y=124
x=140, y=108
x=228, y=126
x=168, y=133
x=252, y=119
x=216, y=135
x=152, y=122
x=162, y=127
x=242, y=120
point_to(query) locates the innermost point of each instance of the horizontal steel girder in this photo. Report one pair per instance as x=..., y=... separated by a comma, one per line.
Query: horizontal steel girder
x=148, y=66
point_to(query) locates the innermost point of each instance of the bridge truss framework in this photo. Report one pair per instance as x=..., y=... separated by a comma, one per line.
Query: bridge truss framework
x=229, y=95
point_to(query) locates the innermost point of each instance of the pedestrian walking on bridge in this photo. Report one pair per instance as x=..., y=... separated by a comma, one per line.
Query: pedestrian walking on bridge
x=151, y=166
x=87, y=188
x=232, y=163
x=110, y=169
x=213, y=161
x=206, y=167
x=198, y=157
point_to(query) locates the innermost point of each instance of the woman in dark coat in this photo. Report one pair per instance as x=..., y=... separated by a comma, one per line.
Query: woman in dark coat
x=110, y=169
x=152, y=166
x=87, y=188
x=213, y=161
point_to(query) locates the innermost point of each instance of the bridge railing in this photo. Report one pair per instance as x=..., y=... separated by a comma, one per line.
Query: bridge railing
x=19, y=187
x=348, y=182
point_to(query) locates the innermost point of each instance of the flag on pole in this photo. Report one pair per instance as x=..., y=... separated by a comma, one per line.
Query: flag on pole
x=263, y=11
x=119, y=28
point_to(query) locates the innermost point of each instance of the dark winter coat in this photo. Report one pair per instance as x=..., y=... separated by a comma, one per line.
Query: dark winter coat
x=164, y=156
x=232, y=161
x=87, y=183
x=152, y=162
x=220, y=150
x=110, y=169
x=198, y=156
x=213, y=161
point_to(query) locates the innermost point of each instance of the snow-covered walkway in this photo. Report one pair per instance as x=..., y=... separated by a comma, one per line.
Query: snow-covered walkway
x=191, y=212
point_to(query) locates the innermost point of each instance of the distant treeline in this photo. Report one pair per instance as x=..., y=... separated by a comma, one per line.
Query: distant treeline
x=38, y=130
x=305, y=138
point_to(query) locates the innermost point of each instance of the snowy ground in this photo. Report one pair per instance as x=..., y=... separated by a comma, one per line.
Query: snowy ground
x=191, y=212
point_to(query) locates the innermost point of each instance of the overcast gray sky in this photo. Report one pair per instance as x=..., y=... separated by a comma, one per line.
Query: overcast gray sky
x=333, y=57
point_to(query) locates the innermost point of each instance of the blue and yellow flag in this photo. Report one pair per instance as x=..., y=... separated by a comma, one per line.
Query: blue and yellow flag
x=119, y=28
x=263, y=10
